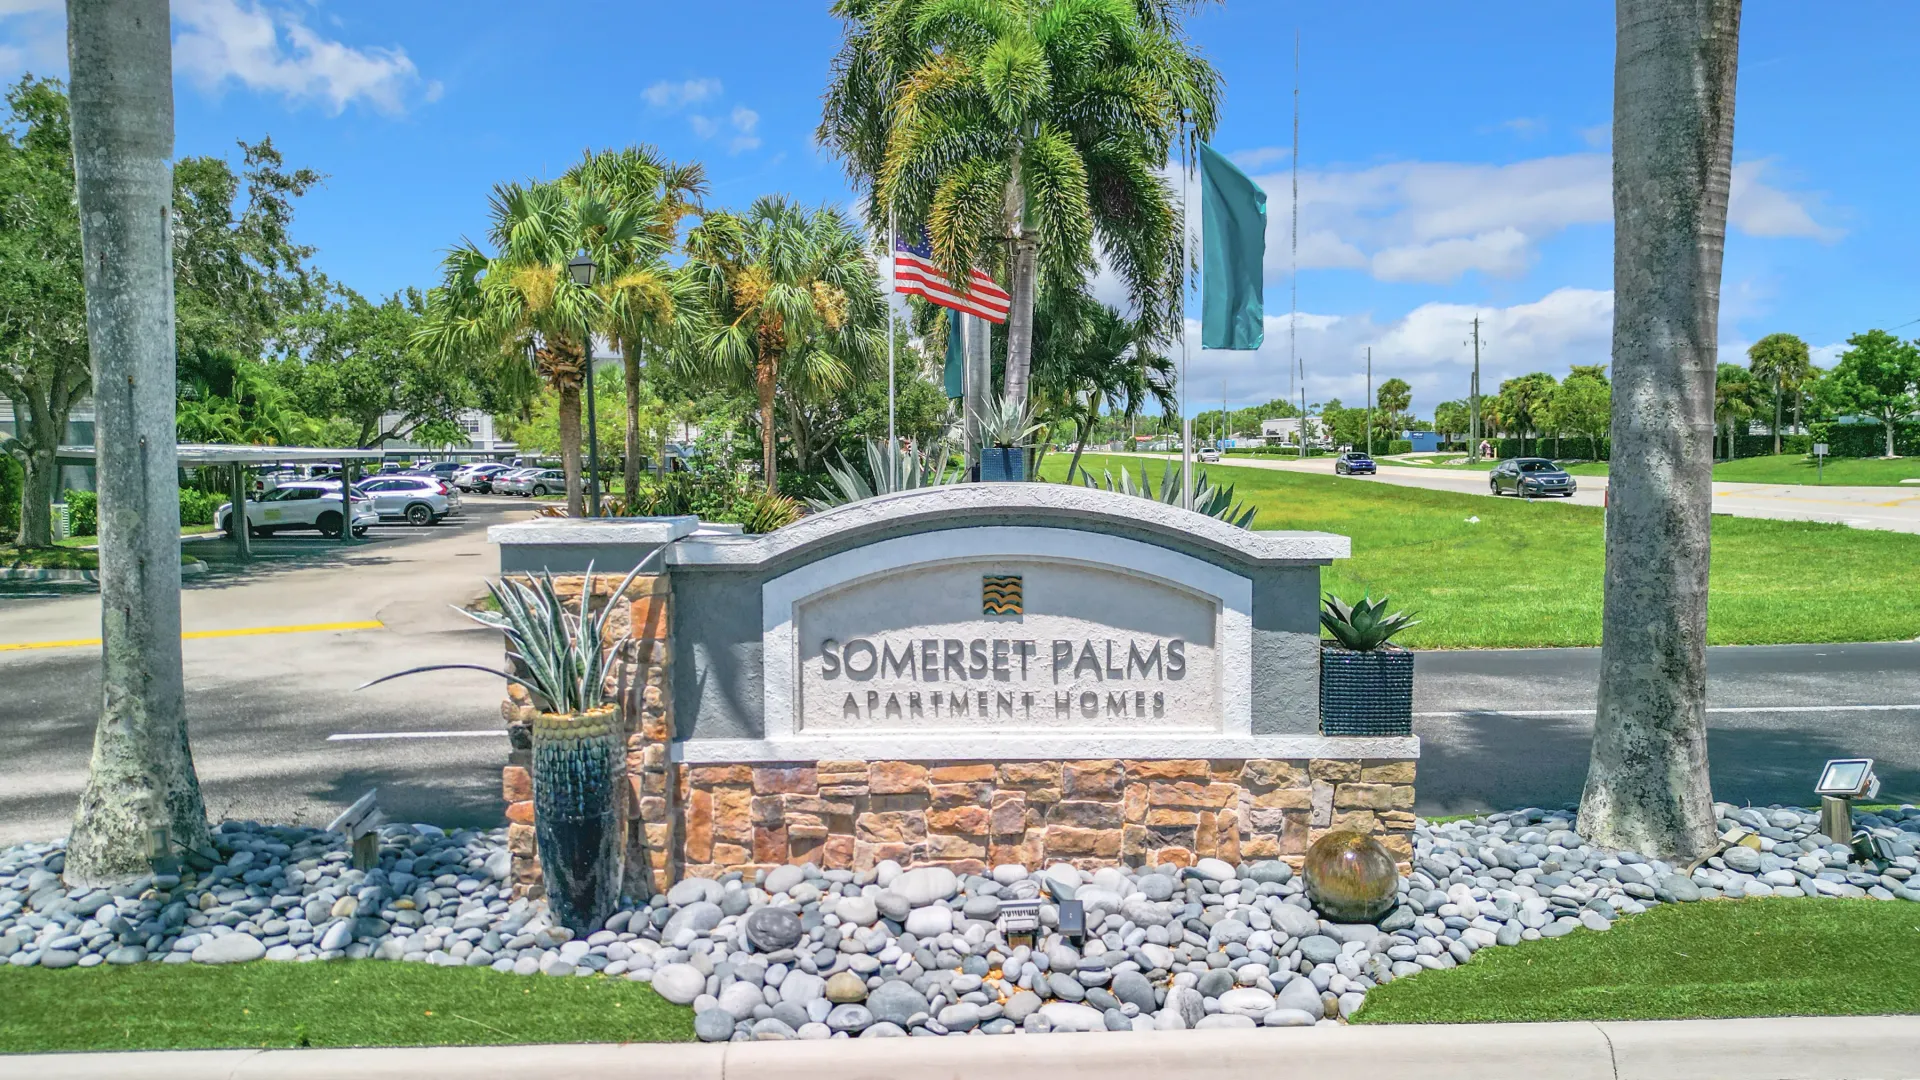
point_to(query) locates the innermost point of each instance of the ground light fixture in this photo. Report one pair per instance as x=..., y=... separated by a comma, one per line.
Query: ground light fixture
x=581, y=268
x=1842, y=781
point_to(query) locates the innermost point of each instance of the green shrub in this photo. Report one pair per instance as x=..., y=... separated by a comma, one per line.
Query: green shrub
x=197, y=507
x=83, y=513
x=1399, y=446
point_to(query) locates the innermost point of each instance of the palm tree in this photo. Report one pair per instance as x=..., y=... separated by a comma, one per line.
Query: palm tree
x=520, y=302
x=142, y=796
x=1782, y=362
x=1016, y=131
x=1647, y=787
x=643, y=295
x=1089, y=357
x=788, y=297
x=1734, y=394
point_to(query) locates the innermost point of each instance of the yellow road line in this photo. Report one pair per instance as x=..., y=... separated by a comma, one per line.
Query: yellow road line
x=245, y=631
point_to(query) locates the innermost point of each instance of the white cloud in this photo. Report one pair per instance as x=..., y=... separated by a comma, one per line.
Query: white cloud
x=1525, y=126
x=744, y=122
x=270, y=48
x=703, y=126
x=1759, y=210
x=1428, y=346
x=674, y=95
x=1259, y=156
x=33, y=37
x=1436, y=221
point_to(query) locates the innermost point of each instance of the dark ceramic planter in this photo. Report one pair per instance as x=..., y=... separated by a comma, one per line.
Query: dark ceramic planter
x=1366, y=693
x=576, y=778
x=1000, y=463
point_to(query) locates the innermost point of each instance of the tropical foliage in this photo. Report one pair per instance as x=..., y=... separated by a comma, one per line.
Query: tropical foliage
x=1363, y=627
x=1879, y=377
x=1090, y=359
x=908, y=470
x=791, y=307
x=1214, y=502
x=1016, y=132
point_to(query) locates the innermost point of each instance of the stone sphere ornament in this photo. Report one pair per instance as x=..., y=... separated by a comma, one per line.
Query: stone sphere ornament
x=1351, y=878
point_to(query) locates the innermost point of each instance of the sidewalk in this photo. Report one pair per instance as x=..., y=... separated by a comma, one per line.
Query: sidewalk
x=1762, y=1049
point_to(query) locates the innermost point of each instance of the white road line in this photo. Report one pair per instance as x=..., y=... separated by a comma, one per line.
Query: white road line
x=359, y=736
x=1714, y=709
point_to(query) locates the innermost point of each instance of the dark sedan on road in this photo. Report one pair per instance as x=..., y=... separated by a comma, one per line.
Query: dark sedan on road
x=1528, y=477
x=1353, y=464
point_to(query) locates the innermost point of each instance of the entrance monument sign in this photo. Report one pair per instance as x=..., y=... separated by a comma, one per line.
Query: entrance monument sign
x=976, y=674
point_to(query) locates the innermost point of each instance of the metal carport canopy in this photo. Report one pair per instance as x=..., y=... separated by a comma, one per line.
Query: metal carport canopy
x=221, y=454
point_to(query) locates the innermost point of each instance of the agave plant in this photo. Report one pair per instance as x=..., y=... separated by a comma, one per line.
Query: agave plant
x=1362, y=627
x=767, y=511
x=1215, y=502
x=912, y=469
x=1005, y=423
x=564, y=653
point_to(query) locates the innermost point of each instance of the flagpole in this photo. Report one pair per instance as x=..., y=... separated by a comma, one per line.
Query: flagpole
x=1186, y=419
x=893, y=288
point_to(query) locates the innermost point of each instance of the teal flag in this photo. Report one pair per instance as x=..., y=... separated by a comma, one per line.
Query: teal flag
x=1233, y=238
x=956, y=358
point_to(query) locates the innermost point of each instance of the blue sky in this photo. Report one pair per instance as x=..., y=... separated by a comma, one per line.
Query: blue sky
x=1454, y=159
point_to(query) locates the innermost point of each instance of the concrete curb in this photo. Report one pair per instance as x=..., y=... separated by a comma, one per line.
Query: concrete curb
x=38, y=574
x=1761, y=1049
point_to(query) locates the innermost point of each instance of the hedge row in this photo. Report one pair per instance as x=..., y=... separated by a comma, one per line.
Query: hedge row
x=83, y=510
x=1870, y=440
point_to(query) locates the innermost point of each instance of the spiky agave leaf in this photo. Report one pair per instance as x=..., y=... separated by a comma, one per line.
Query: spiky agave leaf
x=1361, y=627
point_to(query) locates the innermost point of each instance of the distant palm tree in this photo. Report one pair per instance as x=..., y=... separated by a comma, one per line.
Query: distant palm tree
x=645, y=298
x=1782, y=362
x=1647, y=786
x=1017, y=131
x=520, y=303
x=1735, y=397
x=788, y=296
x=1089, y=357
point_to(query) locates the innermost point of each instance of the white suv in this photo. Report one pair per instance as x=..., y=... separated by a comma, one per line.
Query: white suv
x=303, y=504
x=417, y=500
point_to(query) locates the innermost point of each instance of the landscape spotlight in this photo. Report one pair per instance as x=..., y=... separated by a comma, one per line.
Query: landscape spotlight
x=1843, y=780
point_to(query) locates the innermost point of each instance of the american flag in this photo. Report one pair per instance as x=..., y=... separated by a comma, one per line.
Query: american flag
x=914, y=273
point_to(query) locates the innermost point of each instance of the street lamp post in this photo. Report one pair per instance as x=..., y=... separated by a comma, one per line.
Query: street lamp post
x=581, y=269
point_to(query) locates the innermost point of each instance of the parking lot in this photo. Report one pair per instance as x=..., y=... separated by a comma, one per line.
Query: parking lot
x=275, y=649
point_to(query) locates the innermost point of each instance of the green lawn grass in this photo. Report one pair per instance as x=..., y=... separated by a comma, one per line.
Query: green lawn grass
x=1771, y=469
x=1716, y=958
x=349, y=1003
x=1528, y=573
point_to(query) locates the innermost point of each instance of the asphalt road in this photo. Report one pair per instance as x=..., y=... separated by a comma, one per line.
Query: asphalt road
x=1500, y=728
x=1896, y=509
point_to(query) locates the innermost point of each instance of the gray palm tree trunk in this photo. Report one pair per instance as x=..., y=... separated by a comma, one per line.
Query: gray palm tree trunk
x=1025, y=267
x=1675, y=61
x=569, y=417
x=40, y=433
x=141, y=789
x=630, y=475
x=1779, y=404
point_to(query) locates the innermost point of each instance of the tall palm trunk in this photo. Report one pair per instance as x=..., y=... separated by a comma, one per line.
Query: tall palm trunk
x=1647, y=785
x=141, y=789
x=570, y=445
x=765, y=378
x=630, y=476
x=1079, y=444
x=1026, y=258
x=1779, y=404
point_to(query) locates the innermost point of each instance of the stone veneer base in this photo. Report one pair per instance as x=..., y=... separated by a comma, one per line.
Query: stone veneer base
x=973, y=815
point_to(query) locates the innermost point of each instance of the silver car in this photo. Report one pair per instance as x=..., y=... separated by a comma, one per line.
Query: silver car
x=511, y=482
x=416, y=500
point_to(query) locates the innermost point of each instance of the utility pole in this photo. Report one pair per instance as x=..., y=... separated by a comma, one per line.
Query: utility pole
x=1369, y=401
x=1473, y=395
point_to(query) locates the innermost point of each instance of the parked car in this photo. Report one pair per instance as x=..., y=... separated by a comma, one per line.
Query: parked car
x=1354, y=463
x=545, y=482
x=299, y=505
x=416, y=500
x=439, y=470
x=1208, y=455
x=512, y=482
x=475, y=477
x=1528, y=477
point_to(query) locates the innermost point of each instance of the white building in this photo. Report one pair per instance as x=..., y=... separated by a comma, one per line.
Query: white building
x=1285, y=431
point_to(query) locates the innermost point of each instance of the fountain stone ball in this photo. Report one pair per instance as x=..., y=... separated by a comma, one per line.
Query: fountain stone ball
x=1351, y=878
